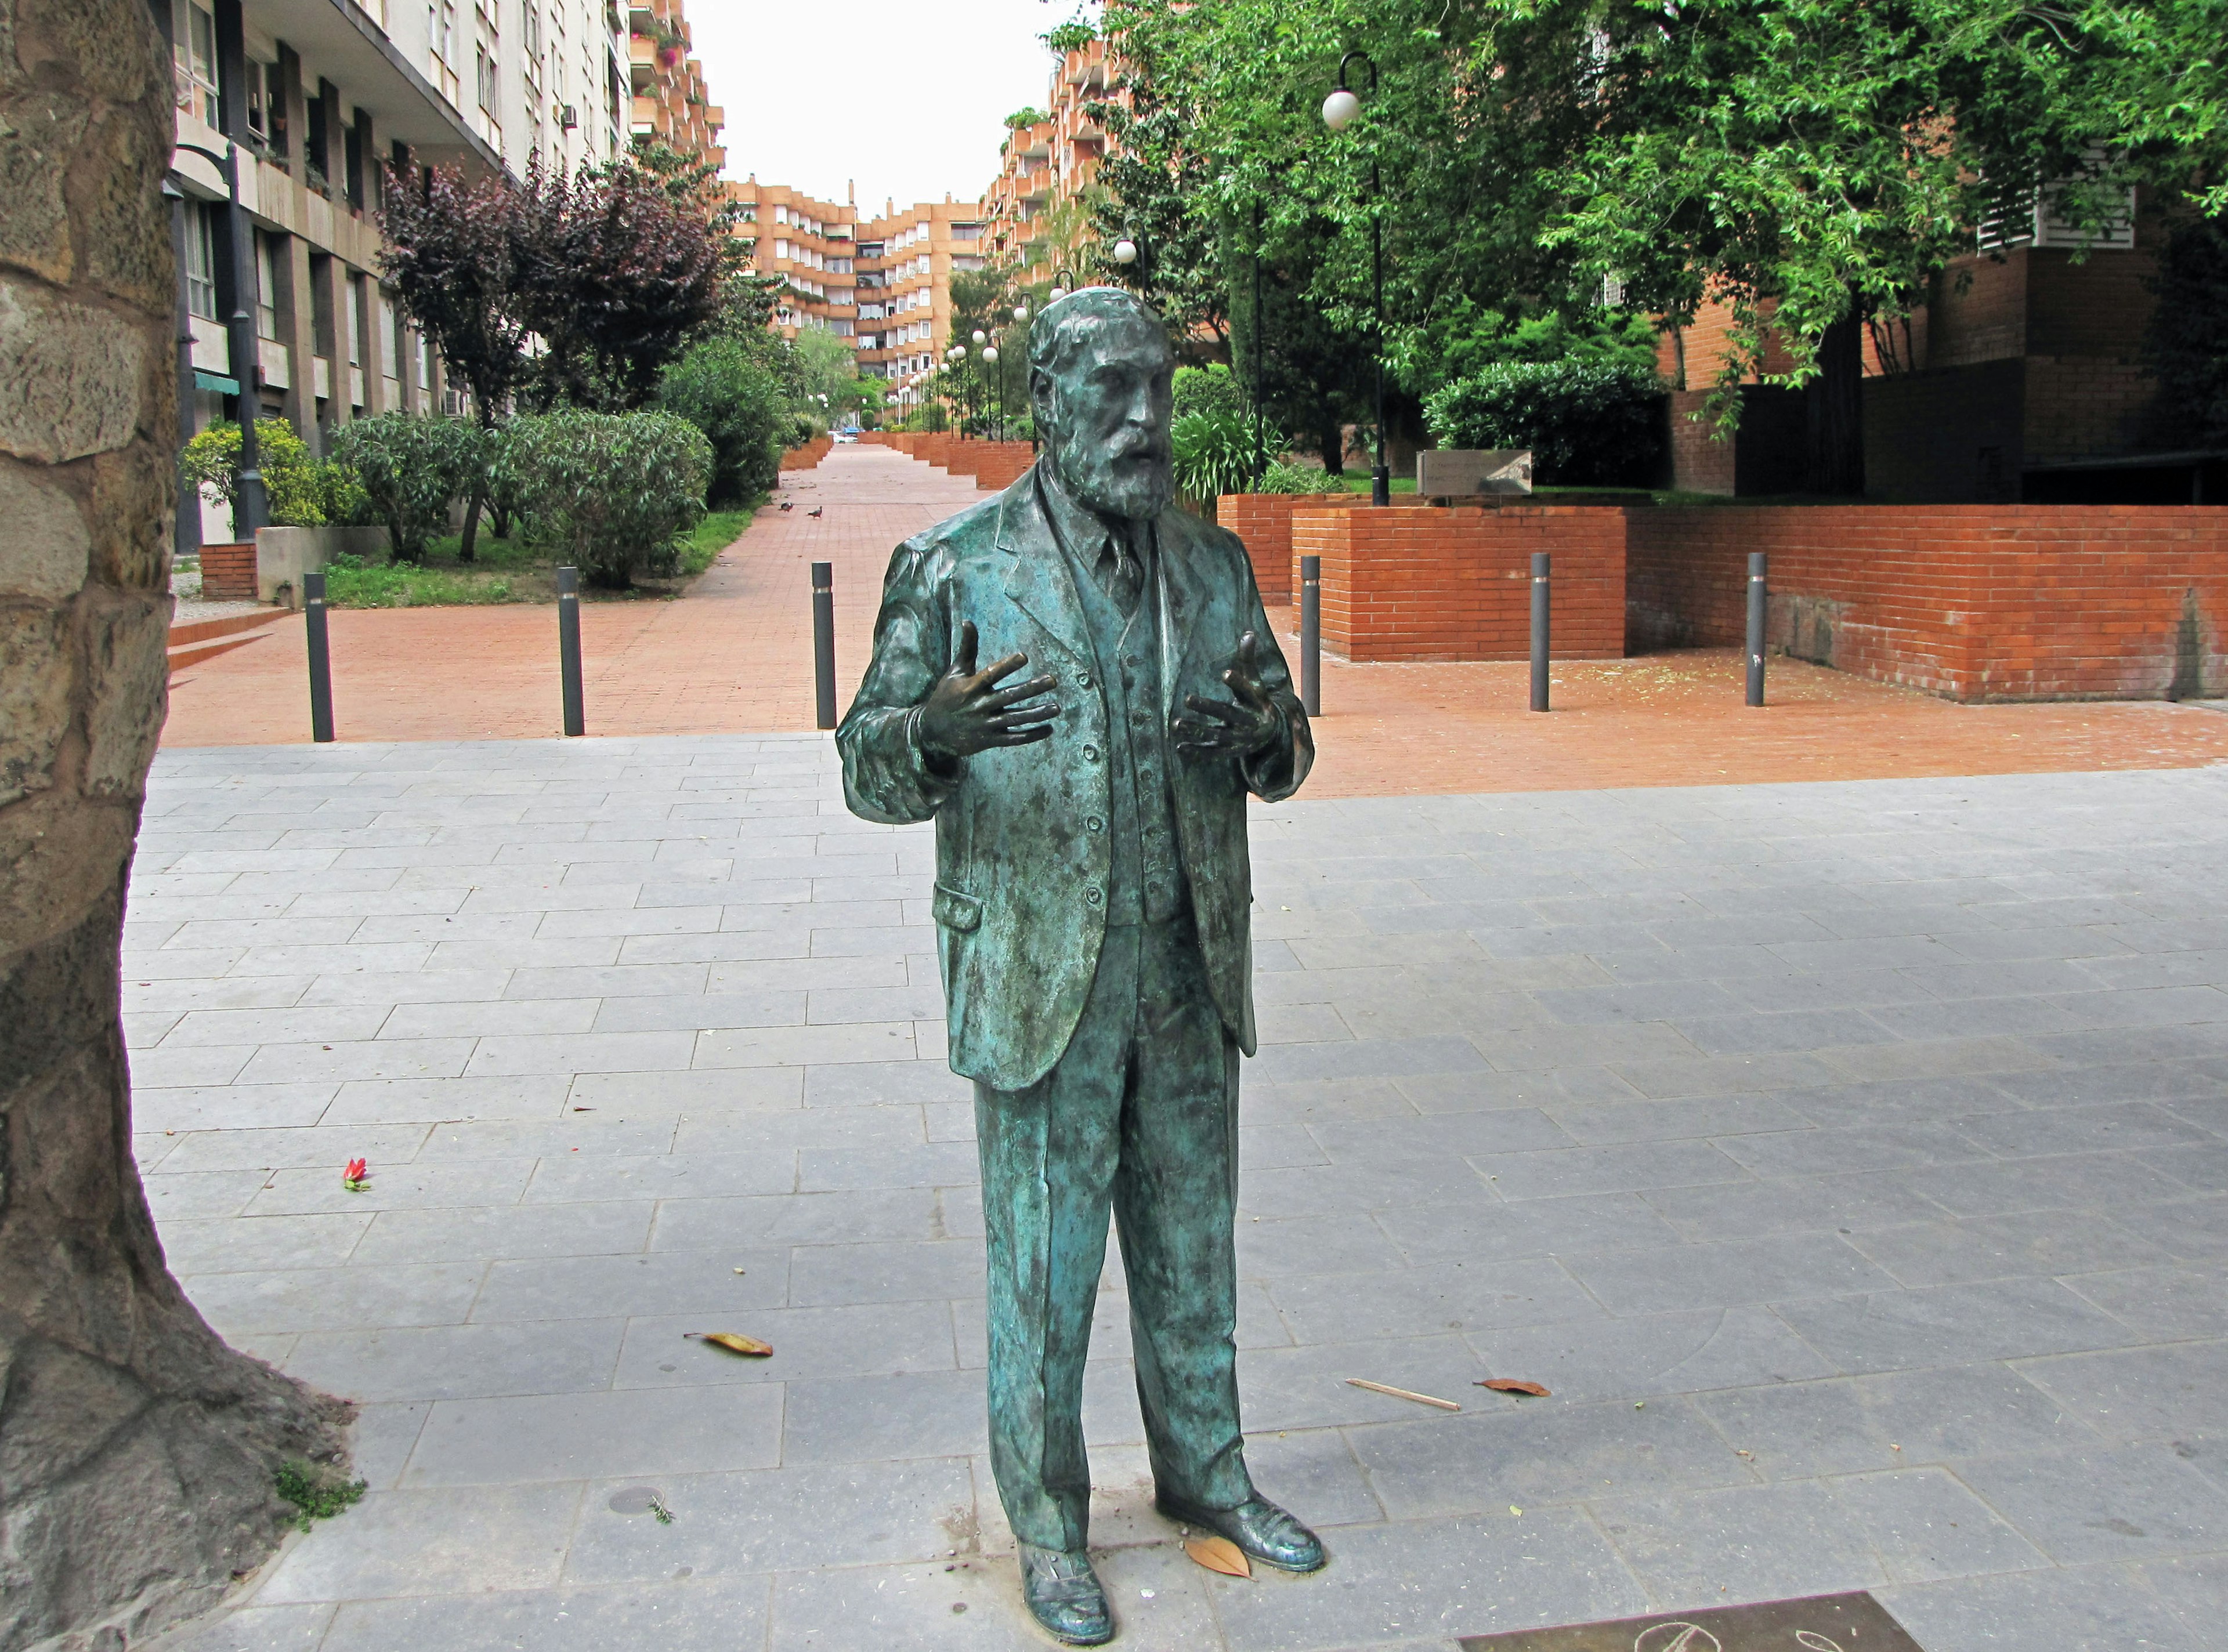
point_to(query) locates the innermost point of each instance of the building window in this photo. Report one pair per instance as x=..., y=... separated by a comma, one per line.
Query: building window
x=201, y=259
x=194, y=37
x=262, y=81
x=266, y=289
x=441, y=31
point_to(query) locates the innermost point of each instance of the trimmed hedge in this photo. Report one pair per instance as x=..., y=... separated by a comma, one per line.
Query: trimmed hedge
x=1587, y=424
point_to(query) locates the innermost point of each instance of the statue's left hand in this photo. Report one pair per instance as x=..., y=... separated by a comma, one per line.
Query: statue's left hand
x=1240, y=728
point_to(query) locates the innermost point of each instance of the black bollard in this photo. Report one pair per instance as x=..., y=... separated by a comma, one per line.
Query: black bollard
x=823, y=641
x=321, y=659
x=568, y=649
x=1757, y=560
x=1311, y=636
x=1539, y=563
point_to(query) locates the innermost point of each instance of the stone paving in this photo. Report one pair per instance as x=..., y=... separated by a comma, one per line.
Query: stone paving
x=1850, y=1159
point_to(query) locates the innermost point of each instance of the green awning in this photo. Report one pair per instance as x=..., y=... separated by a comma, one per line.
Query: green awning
x=218, y=382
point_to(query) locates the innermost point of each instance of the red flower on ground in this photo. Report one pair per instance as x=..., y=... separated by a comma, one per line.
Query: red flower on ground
x=352, y=1179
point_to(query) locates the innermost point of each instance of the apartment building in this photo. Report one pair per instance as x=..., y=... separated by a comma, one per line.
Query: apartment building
x=312, y=99
x=1038, y=207
x=671, y=101
x=883, y=284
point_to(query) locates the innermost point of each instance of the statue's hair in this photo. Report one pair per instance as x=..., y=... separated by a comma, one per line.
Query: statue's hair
x=1062, y=326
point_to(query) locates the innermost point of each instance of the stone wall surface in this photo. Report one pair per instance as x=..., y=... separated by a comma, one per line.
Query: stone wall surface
x=137, y=1451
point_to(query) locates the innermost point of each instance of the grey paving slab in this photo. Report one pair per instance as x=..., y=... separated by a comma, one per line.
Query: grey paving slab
x=1850, y=1160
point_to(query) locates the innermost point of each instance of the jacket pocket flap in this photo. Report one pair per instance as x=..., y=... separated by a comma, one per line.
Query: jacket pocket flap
x=955, y=909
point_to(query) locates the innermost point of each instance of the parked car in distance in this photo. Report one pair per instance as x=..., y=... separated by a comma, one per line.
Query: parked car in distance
x=847, y=435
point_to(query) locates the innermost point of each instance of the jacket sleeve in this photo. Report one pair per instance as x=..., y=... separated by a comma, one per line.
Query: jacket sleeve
x=886, y=776
x=1274, y=775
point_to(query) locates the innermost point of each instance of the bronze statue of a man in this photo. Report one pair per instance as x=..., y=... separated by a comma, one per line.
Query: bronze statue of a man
x=1093, y=902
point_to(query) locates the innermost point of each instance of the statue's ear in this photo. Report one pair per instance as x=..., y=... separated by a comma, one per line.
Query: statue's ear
x=1040, y=397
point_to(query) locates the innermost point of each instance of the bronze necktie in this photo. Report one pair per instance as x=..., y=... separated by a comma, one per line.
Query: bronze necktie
x=1120, y=574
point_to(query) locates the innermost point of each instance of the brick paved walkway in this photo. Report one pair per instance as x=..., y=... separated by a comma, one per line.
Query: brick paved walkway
x=1851, y=1160
x=735, y=656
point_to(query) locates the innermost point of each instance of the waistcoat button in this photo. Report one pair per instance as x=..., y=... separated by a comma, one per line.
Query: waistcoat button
x=1091, y=754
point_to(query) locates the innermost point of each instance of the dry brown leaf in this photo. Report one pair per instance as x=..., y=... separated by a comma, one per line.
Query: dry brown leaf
x=732, y=1343
x=1218, y=1554
x=1510, y=1385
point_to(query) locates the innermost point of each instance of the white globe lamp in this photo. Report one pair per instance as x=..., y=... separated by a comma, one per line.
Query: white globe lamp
x=1125, y=250
x=1340, y=108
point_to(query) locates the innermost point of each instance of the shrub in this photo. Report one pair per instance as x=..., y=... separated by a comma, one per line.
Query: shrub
x=725, y=391
x=1215, y=453
x=616, y=490
x=1211, y=389
x=1281, y=478
x=410, y=469
x=294, y=481
x=1585, y=422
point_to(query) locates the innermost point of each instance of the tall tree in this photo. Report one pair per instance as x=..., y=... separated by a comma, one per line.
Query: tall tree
x=462, y=253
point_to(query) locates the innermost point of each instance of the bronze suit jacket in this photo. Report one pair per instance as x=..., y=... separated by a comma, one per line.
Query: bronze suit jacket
x=1021, y=875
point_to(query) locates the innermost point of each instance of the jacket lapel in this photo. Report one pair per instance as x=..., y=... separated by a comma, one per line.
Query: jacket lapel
x=1183, y=602
x=1037, y=578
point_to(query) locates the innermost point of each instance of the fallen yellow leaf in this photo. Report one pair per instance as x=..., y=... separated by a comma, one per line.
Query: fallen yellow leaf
x=1218, y=1554
x=1511, y=1384
x=732, y=1343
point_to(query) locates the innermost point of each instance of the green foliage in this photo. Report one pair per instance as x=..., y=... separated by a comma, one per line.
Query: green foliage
x=1464, y=338
x=351, y=582
x=1211, y=389
x=1026, y=115
x=616, y=491
x=1585, y=422
x=297, y=484
x=1071, y=36
x=412, y=470
x=2188, y=339
x=1281, y=478
x=1216, y=454
x=723, y=388
x=316, y=1492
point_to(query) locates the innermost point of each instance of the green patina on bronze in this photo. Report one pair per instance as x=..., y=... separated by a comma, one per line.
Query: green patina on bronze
x=1092, y=899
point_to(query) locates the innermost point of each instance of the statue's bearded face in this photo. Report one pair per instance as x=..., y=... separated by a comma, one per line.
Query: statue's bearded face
x=1105, y=408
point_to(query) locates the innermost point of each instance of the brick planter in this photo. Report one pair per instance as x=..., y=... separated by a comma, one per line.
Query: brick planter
x=811, y=454
x=1265, y=522
x=1973, y=602
x=228, y=572
x=1423, y=582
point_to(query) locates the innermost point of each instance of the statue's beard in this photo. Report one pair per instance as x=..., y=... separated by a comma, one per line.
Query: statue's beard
x=1131, y=478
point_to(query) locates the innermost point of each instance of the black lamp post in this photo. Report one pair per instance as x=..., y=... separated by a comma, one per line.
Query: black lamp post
x=1338, y=111
x=252, y=508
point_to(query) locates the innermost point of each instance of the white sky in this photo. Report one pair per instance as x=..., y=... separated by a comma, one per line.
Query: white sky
x=904, y=96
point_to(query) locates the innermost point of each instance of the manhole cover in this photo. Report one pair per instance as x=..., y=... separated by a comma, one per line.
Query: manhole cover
x=1855, y=1623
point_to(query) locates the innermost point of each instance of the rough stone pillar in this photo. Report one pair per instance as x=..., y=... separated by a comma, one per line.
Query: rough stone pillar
x=137, y=1451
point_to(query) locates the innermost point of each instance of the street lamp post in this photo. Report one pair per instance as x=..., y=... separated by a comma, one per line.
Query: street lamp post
x=1063, y=283
x=1339, y=110
x=251, y=506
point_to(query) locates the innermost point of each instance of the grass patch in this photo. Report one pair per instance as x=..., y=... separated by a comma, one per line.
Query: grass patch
x=516, y=570
x=317, y=1491
x=718, y=530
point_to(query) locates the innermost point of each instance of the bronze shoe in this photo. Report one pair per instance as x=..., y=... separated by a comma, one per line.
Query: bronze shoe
x=1063, y=1594
x=1257, y=1526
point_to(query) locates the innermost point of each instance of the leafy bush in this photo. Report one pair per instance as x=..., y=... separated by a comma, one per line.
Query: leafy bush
x=724, y=389
x=1587, y=422
x=294, y=480
x=317, y=1490
x=1281, y=478
x=618, y=490
x=1215, y=453
x=1071, y=36
x=1211, y=389
x=410, y=469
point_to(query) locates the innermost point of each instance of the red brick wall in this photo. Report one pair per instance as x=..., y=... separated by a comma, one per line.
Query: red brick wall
x=1973, y=602
x=228, y=572
x=1421, y=581
x=1265, y=522
x=809, y=455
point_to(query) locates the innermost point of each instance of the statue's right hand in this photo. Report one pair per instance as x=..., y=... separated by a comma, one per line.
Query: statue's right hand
x=967, y=711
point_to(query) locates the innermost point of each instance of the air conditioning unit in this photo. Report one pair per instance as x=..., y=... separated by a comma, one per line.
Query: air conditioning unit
x=570, y=119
